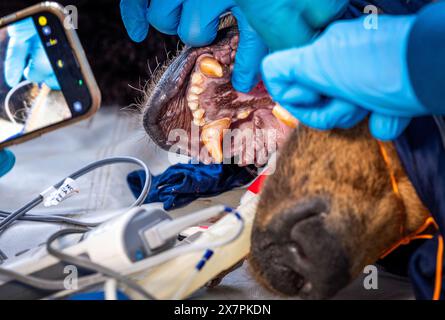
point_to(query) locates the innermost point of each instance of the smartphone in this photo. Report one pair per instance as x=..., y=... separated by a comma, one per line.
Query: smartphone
x=45, y=80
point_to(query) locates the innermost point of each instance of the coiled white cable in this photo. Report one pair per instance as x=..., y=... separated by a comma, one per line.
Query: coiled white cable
x=8, y=99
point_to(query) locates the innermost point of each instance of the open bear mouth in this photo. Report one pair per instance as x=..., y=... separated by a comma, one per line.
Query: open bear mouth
x=194, y=109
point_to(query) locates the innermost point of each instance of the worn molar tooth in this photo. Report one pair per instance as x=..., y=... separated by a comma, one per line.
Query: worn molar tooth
x=192, y=97
x=199, y=122
x=196, y=90
x=284, y=116
x=210, y=67
x=197, y=79
x=212, y=136
x=193, y=105
x=198, y=114
x=244, y=114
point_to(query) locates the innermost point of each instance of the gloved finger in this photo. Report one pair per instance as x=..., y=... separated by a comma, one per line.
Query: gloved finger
x=134, y=16
x=290, y=93
x=15, y=62
x=280, y=24
x=165, y=15
x=316, y=66
x=328, y=114
x=7, y=161
x=200, y=20
x=250, y=53
x=299, y=67
x=319, y=13
x=385, y=127
x=39, y=68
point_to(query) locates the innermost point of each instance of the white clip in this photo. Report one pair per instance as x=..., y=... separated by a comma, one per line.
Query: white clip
x=52, y=197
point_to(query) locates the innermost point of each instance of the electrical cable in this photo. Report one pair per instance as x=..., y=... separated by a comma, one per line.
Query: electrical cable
x=87, y=264
x=104, y=273
x=52, y=219
x=14, y=216
x=49, y=285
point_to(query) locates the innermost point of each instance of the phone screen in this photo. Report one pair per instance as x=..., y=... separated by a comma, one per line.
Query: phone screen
x=41, y=83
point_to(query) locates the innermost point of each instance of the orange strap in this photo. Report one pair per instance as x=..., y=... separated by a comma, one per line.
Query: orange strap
x=418, y=233
x=439, y=266
x=394, y=184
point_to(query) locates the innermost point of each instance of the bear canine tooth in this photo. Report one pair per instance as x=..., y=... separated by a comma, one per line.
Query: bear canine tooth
x=210, y=67
x=284, y=116
x=212, y=137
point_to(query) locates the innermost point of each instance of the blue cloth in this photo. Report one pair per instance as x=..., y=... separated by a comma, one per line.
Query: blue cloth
x=183, y=183
x=422, y=153
x=396, y=7
x=426, y=57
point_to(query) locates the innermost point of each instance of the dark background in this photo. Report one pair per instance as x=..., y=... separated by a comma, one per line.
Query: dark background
x=117, y=62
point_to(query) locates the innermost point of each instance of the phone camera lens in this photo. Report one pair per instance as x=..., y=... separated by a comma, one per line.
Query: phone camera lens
x=77, y=106
x=46, y=30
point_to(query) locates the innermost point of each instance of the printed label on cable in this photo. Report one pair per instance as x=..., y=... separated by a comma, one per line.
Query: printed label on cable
x=66, y=190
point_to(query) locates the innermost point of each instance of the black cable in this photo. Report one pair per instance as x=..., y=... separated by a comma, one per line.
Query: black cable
x=16, y=215
x=52, y=219
x=83, y=282
x=49, y=285
x=5, y=223
x=87, y=264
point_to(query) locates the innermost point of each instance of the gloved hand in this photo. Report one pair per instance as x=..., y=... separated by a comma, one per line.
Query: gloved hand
x=7, y=161
x=24, y=42
x=196, y=22
x=359, y=67
x=284, y=24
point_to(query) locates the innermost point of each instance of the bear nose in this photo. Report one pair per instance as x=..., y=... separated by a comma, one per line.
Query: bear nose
x=296, y=255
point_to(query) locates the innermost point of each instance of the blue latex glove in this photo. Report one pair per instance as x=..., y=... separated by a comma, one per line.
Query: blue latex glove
x=26, y=57
x=284, y=24
x=196, y=23
x=7, y=161
x=360, y=67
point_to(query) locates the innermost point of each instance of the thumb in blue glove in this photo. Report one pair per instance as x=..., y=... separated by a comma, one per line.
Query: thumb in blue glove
x=26, y=57
x=7, y=161
x=284, y=24
x=196, y=22
x=358, y=67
